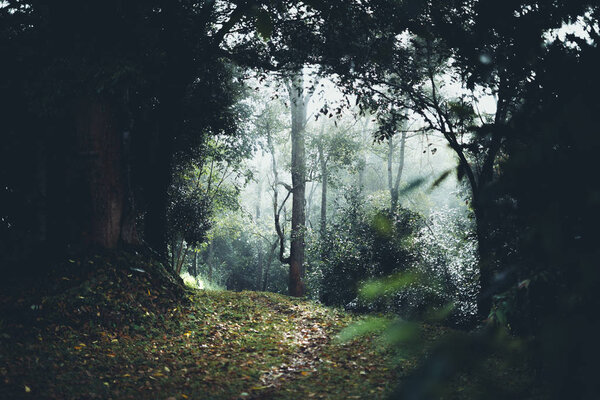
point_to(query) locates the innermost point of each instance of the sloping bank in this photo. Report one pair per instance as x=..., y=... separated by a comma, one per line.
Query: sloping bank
x=117, y=326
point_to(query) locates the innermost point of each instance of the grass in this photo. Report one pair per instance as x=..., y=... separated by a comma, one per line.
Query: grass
x=222, y=345
x=118, y=327
x=97, y=329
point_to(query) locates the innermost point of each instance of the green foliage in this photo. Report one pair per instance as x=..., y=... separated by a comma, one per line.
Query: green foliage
x=376, y=288
x=190, y=281
x=383, y=248
x=196, y=344
x=190, y=216
x=419, y=268
x=362, y=328
x=199, y=282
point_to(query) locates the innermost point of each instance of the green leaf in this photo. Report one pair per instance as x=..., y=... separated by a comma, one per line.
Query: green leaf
x=380, y=287
x=412, y=185
x=440, y=179
x=440, y=314
x=362, y=328
x=401, y=332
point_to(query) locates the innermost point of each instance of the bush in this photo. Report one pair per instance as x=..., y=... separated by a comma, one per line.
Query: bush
x=364, y=243
x=417, y=267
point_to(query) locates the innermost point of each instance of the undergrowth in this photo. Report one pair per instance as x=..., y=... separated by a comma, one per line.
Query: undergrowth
x=120, y=326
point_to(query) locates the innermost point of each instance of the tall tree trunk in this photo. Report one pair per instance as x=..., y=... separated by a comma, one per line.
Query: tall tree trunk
x=396, y=191
x=129, y=233
x=157, y=186
x=180, y=254
x=211, y=252
x=194, y=269
x=394, y=184
x=259, y=247
x=175, y=76
x=276, y=206
x=184, y=254
x=361, y=173
x=482, y=206
x=260, y=266
x=324, y=179
x=298, y=111
x=390, y=176
x=99, y=145
x=309, y=203
x=363, y=165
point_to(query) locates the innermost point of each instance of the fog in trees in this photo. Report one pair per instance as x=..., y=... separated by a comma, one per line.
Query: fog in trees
x=396, y=199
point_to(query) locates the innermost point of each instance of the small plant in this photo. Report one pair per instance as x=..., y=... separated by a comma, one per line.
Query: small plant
x=199, y=282
x=190, y=281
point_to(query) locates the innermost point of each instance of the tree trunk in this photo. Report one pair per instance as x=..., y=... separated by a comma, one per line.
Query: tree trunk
x=175, y=76
x=390, y=159
x=324, y=179
x=396, y=191
x=361, y=174
x=157, y=186
x=276, y=206
x=129, y=233
x=179, y=254
x=210, y=260
x=309, y=203
x=394, y=184
x=173, y=252
x=363, y=165
x=184, y=254
x=259, y=247
x=194, y=269
x=298, y=110
x=100, y=147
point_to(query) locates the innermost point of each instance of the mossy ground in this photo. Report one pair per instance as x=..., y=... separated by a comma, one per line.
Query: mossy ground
x=102, y=330
x=119, y=327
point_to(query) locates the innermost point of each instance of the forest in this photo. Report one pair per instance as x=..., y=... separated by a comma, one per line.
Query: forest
x=298, y=199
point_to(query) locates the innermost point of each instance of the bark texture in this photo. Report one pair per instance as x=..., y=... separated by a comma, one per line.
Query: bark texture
x=298, y=109
x=100, y=147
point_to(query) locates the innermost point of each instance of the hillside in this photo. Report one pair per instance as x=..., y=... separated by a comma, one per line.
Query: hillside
x=119, y=326
x=114, y=327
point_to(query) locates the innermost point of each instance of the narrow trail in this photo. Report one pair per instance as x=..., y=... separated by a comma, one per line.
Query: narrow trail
x=310, y=338
x=108, y=333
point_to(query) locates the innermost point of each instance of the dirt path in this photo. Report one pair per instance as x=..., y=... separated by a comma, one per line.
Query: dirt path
x=310, y=338
x=217, y=345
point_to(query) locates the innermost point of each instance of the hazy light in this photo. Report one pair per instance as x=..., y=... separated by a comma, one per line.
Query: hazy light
x=485, y=59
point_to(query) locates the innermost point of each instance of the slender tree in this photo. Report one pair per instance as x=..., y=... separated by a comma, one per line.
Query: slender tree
x=394, y=184
x=299, y=98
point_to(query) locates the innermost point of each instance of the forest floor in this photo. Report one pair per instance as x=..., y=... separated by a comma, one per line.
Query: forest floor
x=88, y=331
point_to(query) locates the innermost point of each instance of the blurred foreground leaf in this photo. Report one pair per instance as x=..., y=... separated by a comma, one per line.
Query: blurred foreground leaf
x=380, y=287
x=361, y=328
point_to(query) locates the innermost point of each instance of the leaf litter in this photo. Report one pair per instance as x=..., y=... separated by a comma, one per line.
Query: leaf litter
x=105, y=330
